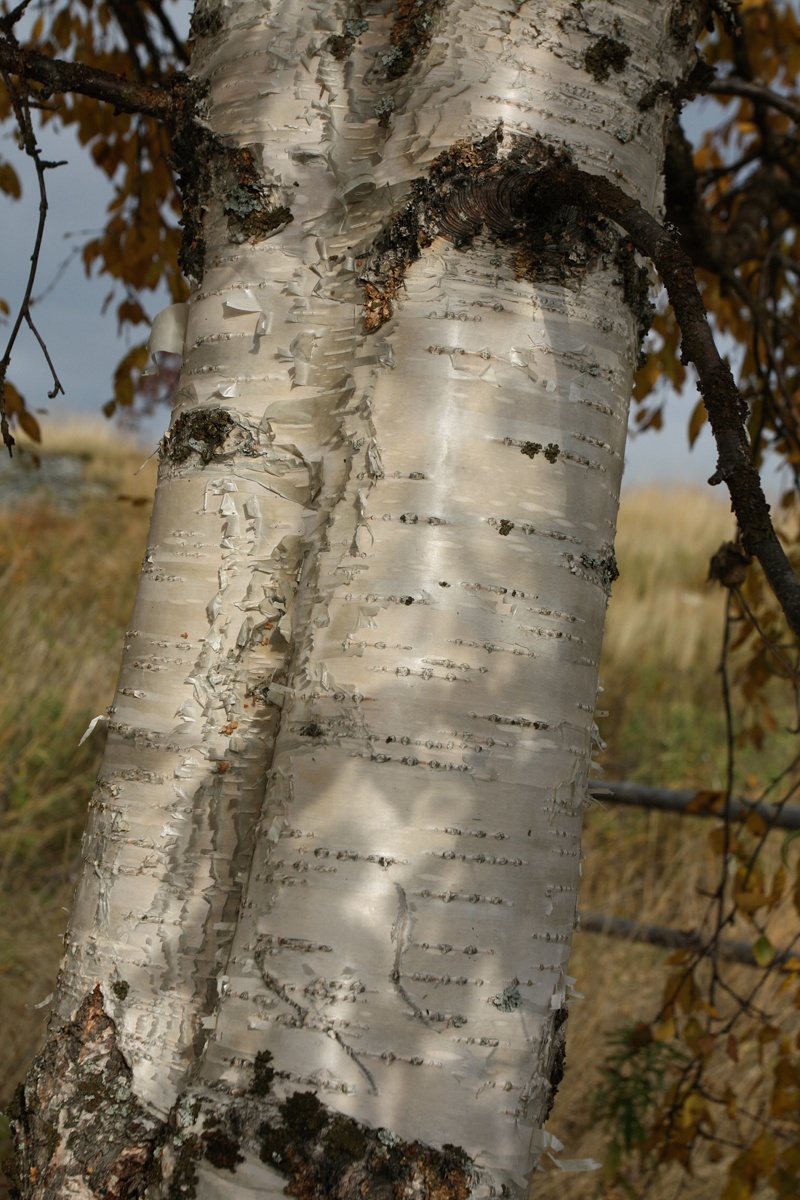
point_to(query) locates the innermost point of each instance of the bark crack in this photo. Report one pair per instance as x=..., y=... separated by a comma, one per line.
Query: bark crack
x=401, y=936
x=304, y=1016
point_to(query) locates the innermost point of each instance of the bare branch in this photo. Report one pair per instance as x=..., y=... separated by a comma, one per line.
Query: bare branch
x=693, y=804
x=8, y=22
x=673, y=939
x=57, y=75
x=756, y=92
x=169, y=30
x=23, y=115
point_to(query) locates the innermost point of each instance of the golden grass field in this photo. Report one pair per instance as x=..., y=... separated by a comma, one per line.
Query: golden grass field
x=67, y=577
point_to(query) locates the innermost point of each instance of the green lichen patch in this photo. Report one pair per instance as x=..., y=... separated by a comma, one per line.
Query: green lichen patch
x=604, y=56
x=120, y=989
x=339, y=45
x=202, y=432
x=412, y=33
x=508, y=1000
x=251, y=214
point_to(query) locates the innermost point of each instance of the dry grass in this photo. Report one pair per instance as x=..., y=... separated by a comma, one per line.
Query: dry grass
x=66, y=587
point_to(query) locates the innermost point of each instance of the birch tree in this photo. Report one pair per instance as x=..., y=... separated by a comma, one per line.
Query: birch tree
x=321, y=938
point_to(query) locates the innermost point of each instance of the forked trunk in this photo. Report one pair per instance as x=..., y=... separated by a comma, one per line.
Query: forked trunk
x=332, y=861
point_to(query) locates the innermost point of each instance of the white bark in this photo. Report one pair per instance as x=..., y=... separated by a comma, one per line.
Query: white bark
x=339, y=816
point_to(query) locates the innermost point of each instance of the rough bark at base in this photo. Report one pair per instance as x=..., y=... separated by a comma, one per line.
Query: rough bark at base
x=81, y=1132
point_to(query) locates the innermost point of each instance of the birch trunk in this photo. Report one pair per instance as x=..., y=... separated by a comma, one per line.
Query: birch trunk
x=335, y=844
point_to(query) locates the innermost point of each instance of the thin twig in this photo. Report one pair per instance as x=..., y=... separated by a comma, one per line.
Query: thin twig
x=22, y=113
x=8, y=22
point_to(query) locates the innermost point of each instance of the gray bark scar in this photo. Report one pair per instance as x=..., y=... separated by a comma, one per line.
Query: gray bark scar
x=302, y=1018
x=401, y=936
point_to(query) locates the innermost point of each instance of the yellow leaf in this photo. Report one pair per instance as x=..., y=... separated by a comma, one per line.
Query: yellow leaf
x=706, y=801
x=30, y=425
x=754, y=823
x=736, y=1188
x=664, y=1031
x=750, y=902
x=9, y=181
x=697, y=421
x=693, y=1110
x=15, y=403
x=763, y=951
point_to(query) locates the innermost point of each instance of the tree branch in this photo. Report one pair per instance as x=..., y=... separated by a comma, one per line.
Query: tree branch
x=22, y=113
x=756, y=92
x=169, y=30
x=727, y=411
x=57, y=75
x=675, y=939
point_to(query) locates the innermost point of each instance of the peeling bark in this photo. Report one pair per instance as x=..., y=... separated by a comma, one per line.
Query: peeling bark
x=332, y=862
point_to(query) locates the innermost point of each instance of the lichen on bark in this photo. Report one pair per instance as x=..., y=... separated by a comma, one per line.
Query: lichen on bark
x=77, y=1115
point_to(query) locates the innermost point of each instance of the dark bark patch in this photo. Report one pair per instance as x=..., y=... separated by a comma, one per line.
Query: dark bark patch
x=636, y=290
x=191, y=159
x=471, y=190
x=263, y=1074
x=601, y=568
x=202, y=432
x=77, y=1115
x=558, y=1057
x=205, y=22
x=729, y=565
x=551, y=451
x=322, y=1153
x=313, y=730
x=411, y=35
x=221, y=1150
x=424, y=217
x=206, y=166
x=604, y=56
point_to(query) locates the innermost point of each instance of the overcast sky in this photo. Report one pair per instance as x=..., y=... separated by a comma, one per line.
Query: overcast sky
x=85, y=345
